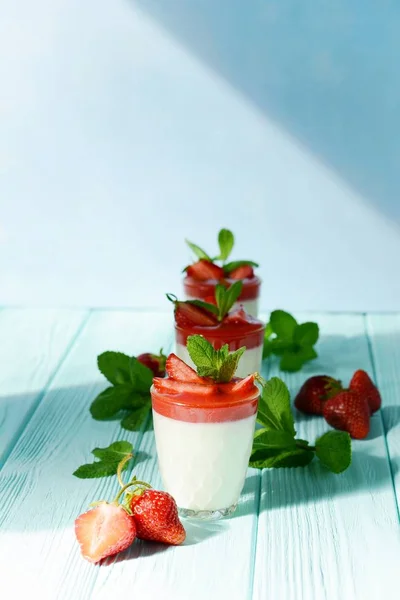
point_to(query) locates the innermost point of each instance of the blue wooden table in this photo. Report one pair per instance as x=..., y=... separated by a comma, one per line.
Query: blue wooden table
x=298, y=533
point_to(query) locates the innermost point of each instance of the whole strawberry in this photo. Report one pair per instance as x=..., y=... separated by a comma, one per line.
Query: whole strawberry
x=156, y=517
x=348, y=411
x=155, y=362
x=104, y=530
x=315, y=392
x=363, y=384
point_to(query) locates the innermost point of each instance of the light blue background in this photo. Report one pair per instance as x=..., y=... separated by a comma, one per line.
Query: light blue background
x=126, y=126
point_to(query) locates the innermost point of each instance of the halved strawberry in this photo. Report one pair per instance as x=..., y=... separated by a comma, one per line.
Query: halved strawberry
x=242, y=272
x=242, y=386
x=177, y=369
x=171, y=386
x=103, y=531
x=237, y=315
x=187, y=314
x=204, y=269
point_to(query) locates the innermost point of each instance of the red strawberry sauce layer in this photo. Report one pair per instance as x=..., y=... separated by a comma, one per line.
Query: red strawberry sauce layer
x=204, y=289
x=236, y=335
x=217, y=405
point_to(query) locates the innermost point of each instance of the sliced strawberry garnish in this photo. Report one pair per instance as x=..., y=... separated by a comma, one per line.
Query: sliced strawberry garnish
x=242, y=272
x=104, y=531
x=171, y=386
x=238, y=315
x=242, y=386
x=177, y=369
x=187, y=314
x=204, y=269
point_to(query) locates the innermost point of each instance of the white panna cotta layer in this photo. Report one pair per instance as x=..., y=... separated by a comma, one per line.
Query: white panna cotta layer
x=203, y=465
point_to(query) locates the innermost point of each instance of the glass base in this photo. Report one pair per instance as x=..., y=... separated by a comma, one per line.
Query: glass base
x=207, y=515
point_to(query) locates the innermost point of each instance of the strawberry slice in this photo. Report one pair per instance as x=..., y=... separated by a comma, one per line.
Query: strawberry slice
x=204, y=269
x=242, y=272
x=243, y=386
x=171, y=386
x=104, y=531
x=177, y=369
x=237, y=315
x=187, y=314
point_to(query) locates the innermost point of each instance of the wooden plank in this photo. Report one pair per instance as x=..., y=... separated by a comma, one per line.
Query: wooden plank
x=216, y=560
x=33, y=344
x=324, y=536
x=384, y=335
x=38, y=494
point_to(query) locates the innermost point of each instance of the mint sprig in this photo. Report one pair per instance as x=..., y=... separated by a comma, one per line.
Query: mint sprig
x=231, y=266
x=275, y=444
x=220, y=365
x=108, y=460
x=226, y=241
x=293, y=342
x=225, y=298
x=129, y=396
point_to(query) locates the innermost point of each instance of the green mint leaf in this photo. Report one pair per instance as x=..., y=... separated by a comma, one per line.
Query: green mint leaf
x=110, y=458
x=306, y=334
x=141, y=376
x=293, y=360
x=136, y=400
x=230, y=365
x=229, y=267
x=134, y=420
x=286, y=459
x=115, y=452
x=273, y=439
x=283, y=324
x=274, y=410
x=226, y=241
x=201, y=351
x=212, y=372
x=199, y=252
x=267, y=349
x=226, y=297
x=114, y=366
x=334, y=450
x=206, y=305
x=109, y=402
x=279, y=346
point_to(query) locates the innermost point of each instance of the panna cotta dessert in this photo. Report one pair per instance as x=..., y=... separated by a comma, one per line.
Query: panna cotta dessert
x=220, y=324
x=203, y=276
x=204, y=433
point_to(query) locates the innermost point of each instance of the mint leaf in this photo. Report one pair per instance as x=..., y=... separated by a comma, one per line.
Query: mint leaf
x=226, y=297
x=334, y=450
x=201, y=351
x=229, y=267
x=293, y=360
x=134, y=420
x=199, y=252
x=206, y=305
x=141, y=376
x=230, y=365
x=273, y=439
x=114, y=366
x=109, y=402
x=306, y=334
x=274, y=410
x=286, y=459
x=115, y=452
x=226, y=241
x=110, y=458
x=283, y=324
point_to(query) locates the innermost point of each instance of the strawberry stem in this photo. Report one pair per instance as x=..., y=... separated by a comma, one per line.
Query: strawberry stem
x=139, y=484
x=121, y=466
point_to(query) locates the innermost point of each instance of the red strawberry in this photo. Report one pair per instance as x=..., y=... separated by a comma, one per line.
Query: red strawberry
x=156, y=517
x=104, y=531
x=349, y=412
x=363, y=384
x=314, y=392
x=238, y=315
x=241, y=386
x=210, y=300
x=243, y=272
x=179, y=370
x=204, y=269
x=187, y=314
x=171, y=386
x=155, y=362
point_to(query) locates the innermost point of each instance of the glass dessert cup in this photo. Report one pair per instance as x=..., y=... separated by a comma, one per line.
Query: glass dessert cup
x=235, y=334
x=195, y=289
x=203, y=446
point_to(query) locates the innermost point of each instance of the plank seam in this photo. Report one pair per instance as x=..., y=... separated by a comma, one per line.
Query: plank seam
x=374, y=373
x=255, y=542
x=36, y=403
